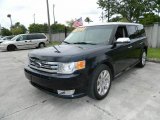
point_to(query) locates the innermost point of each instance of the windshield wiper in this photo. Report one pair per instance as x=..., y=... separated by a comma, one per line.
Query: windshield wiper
x=84, y=43
x=66, y=42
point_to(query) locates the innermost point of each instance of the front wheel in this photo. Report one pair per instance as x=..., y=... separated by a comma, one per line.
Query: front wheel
x=100, y=83
x=11, y=48
x=41, y=45
x=143, y=59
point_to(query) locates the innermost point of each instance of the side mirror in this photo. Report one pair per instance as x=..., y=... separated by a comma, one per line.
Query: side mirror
x=18, y=39
x=123, y=40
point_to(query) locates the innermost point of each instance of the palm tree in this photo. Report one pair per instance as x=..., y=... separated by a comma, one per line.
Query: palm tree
x=88, y=20
x=9, y=16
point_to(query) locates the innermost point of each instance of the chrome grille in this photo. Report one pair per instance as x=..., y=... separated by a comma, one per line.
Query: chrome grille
x=51, y=67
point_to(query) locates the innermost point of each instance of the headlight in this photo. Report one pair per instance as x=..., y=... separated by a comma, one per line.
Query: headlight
x=69, y=68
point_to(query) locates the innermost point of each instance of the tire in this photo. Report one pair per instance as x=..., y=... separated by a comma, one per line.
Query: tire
x=143, y=59
x=41, y=45
x=96, y=84
x=11, y=48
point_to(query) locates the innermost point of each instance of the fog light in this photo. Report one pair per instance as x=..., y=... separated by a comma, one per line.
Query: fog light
x=65, y=92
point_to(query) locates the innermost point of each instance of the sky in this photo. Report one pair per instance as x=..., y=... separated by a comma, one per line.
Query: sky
x=23, y=11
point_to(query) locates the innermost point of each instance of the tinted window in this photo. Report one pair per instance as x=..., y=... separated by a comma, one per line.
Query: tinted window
x=141, y=31
x=24, y=37
x=29, y=37
x=35, y=36
x=132, y=32
x=121, y=32
x=19, y=38
x=38, y=36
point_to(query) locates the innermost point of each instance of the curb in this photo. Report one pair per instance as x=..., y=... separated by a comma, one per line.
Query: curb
x=153, y=60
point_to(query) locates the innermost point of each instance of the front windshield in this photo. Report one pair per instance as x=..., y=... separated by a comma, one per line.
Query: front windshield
x=92, y=34
x=5, y=38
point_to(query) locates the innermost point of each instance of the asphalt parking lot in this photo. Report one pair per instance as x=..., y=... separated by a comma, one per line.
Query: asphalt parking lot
x=135, y=95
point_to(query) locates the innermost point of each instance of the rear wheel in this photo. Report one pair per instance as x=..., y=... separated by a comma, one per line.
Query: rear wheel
x=11, y=47
x=41, y=45
x=100, y=82
x=143, y=59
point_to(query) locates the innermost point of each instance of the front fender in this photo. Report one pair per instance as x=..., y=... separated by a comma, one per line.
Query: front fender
x=101, y=59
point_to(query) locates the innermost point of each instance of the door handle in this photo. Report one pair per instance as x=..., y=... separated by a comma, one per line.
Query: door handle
x=25, y=41
x=130, y=47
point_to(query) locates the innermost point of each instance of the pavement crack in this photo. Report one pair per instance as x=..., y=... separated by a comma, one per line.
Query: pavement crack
x=18, y=60
x=103, y=110
x=18, y=111
x=44, y=101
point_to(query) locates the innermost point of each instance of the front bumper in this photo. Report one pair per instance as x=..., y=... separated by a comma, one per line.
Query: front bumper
x=53, y=82
x=3, y=47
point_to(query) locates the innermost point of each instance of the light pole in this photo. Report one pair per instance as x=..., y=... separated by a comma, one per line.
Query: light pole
x=49, y=29
x=0, y=30
x=34, y=18
x=54, y=14
x=102, y=16
x=9, y=16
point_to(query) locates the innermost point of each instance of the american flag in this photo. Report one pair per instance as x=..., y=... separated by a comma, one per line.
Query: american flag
x=78, y=22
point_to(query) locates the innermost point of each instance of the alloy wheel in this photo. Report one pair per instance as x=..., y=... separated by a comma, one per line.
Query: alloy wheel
x=103, y=82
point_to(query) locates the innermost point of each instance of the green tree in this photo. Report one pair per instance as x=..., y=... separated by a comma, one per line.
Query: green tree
x=88, y=20
x=107, y=6
x=129, y=9
x=70, y=23
x=43, y=28
x=149, y=19
x=18, y=29
x=5, y=32
x=38, y=28
x=157, y=6
x=116, y=19
x=56, y=28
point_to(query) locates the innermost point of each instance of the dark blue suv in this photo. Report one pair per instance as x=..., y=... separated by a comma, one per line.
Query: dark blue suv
x=88, y=60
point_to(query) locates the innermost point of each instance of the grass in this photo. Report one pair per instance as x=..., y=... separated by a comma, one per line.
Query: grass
x=154, y=53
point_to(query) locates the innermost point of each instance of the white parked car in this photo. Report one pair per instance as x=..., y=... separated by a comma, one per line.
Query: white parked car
x=6, y=38
x=25, y=41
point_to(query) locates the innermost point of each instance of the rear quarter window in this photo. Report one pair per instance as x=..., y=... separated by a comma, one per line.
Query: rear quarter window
x=41, y=36
x=141, y=31
x=132, y=31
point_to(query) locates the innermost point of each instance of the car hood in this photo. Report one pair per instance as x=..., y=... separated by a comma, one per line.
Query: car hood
x=1, y=40
x=68, y=53
x=7, y=41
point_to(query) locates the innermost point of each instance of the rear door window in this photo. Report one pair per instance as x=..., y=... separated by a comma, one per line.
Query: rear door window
x=121, y=32
x=30, y=37
x=24, y=37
